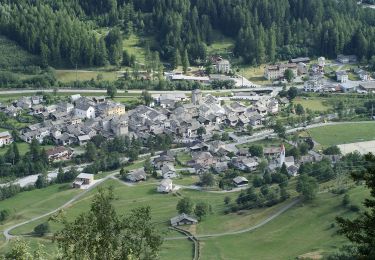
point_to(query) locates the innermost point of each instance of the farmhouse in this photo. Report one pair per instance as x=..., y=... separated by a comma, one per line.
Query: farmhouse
x=240, y=181
x=368, y=86
x=59, y=153
x=83, y=110
x=83, y=179
x=136, y=176
x=5, y=138
x=223, y=66
x=183, y=219
x=165, y=186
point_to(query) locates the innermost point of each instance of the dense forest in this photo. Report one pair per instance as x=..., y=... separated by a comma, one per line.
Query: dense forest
x=90, y=33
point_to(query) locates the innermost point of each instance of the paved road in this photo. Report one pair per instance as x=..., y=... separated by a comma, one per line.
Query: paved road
x=7, y=231
x=131, y=91
x=249, y=229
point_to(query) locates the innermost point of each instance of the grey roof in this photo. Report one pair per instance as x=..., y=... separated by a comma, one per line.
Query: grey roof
x=240, y=179
x=179, y=218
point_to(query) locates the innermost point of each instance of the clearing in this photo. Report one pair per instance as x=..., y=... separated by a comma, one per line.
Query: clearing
x=344, y=133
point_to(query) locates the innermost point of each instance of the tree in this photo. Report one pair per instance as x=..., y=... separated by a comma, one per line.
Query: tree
x=111, y=91
x=299, y=109
x=176, y=60
x=148, y=166
x=201, y=131
x=4, y=214
x=360, y=231
x=227, y=200
x=101, y=233
x=185, y=62
x=41, y=182
x=91, y=152
x=20, y=251
x=185, y=205
x=250, y=130
x=147, y=98
x=279, y=128
x=256, y=150
x=307, y=186
x=332, y=150
x=201, y=210
x=292, y=92
x=289, y=75
x=207, y=179
x=42, y=229
x=345, y=200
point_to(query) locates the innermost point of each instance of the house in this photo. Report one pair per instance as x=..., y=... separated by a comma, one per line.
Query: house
x=363, y=75
x=196, y=96
x=245, y=163
x=220, y=167
x=137, y=175
x=183, y=219
x=84, y=110
x=313, y=85
x=272, y=151
x=165, y=186
x=83, y=179
x=302, y=68
x=321, y=62
x=240, y=181
x=344, y=59
x=300, y=59
x=223, y=66
x=292, y=170
x=369, y=87
x=74, y=98
x=110, y=108
x=273, y=72
x=168, y=171
x=342, y=76
x=59, y=153
x=83, y=139
x=289, y=161
x=5, y=138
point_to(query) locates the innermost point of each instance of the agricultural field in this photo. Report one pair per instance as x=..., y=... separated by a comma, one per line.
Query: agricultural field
x=308, y=228
x=313, y=103
x=343, y=133
x=83, y=75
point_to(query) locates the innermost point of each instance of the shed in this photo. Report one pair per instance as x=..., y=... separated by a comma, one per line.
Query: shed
x=183, y=219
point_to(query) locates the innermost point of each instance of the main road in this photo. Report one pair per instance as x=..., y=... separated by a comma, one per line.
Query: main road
x=130, y=91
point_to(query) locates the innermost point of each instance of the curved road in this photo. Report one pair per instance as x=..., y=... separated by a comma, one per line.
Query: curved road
x=7, y=230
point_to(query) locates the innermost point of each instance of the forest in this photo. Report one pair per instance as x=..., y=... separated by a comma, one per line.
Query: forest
x=90, y=33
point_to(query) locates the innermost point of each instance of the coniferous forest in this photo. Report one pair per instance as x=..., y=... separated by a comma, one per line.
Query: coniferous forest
x=66, y=32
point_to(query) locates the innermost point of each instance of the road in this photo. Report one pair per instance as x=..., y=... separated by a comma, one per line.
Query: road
x=7, y=231
x=248, y=229
x=130, y=91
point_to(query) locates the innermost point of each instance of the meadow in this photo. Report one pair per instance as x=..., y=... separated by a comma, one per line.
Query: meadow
x=344, y=133
x=313, y=103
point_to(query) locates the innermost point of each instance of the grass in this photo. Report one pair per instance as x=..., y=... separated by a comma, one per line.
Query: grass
x=254, y=74
x=13, y=55
x=302, y=229
x=133, y=46
x=344, y=133
x=83, y=75
x=314, y=104
x=22, y=148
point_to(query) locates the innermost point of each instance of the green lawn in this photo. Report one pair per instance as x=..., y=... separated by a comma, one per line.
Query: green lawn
x=314, y=104
x=72, y=75
x=301, y=230
x=22, y=148
x=344, y=133
x=133, y=46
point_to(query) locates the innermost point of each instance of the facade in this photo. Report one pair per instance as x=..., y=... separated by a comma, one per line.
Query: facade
x=165, y=186
x=109, y=108
x=83, y=179
x=59, y=153
x=183, y=219
x=223, y=66
x=196, y=96
x=5, y=138
x=84, y=111
x=273, y=72
x=342, y=76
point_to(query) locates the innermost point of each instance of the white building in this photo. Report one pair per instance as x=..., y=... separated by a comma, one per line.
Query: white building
x=5, y=138
x=321, y=62
x=342, y=76
x=273, y=72
x=84, y=111
x=223, y=66
x=165, y=186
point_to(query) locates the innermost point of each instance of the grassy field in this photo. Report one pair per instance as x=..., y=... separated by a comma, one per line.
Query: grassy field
x=303, y=229
x=344, y=133
x=314, y=104
x=133, y=46
x=13, y=55
x=254, y=74
x=82, y=75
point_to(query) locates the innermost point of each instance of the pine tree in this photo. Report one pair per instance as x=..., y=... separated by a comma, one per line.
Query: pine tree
x=185, y=62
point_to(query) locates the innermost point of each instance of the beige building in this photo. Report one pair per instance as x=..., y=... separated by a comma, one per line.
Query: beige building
x=110, y=108
x=273, y=72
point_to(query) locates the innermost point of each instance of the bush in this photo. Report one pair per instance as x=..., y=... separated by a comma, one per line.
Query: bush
x=42, y=229
x=354, y=208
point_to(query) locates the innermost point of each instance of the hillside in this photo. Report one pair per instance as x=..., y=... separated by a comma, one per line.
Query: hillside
x=261, y=31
